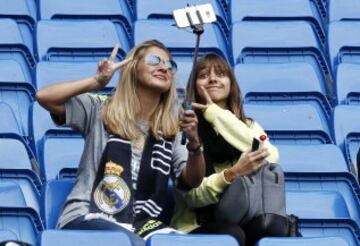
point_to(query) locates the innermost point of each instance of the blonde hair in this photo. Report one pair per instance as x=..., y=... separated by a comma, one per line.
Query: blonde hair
x=119, y=111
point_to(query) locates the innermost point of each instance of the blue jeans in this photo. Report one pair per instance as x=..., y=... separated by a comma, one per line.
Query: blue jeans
x=101, y=224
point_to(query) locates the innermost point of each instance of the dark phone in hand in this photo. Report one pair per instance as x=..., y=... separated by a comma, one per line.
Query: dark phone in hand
x=255, y=145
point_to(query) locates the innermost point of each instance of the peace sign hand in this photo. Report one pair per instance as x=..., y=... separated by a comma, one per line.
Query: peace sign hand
x=107, y=67
x=209, y=101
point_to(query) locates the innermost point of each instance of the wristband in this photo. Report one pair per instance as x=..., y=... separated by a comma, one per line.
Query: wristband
x=98, y=77
x=195, y=151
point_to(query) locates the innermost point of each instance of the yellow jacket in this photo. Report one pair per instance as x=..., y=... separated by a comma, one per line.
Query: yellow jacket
x=238, y=134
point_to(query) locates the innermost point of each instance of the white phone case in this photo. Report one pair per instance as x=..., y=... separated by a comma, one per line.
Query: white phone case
x=206, y=12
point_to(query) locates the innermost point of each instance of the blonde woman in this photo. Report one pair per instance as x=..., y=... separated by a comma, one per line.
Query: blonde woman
x=131, y=143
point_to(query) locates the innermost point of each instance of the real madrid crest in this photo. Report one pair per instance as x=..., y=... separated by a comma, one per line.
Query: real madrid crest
x=112, y=194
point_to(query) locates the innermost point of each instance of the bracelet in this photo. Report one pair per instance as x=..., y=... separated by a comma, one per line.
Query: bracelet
x=196, y=151
x=98, y=77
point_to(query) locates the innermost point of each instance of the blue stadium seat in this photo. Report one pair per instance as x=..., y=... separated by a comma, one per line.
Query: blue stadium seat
x=6, y=235
x=281, y=83
x=348, y=83
x=162, y=9
x=316, y=205
x=318, y=241
x=22, y=225
x=10, y=126
x=20, y=9
x=343, y=184
x=13, y=199
x=312, y=159
x=14, y=105
x=182, y=76
x=58, y=148
x=53, y=72
x=344, y=42
x=184, y=240
x=15, y=99
x=285, y=124
x=292, y=41
x=180, y=42
x=347, y=131
x=24, y=13
x=344, y=10
x=12, y=196
x=14, y=46
x=116, y=11
x=89, y=238
x=12, y=74
x=29, y=6
x=225, y=4
x=279, y=10
x=15, y=166
x=75, y=41
x=131, y=4
x=54, y=197
x=61, y=156
x=322, y=228
x=322, y=6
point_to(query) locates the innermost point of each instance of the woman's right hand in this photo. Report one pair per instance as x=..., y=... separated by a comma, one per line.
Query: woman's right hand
x=208, y=99
x=248, y=163
x=107, y=67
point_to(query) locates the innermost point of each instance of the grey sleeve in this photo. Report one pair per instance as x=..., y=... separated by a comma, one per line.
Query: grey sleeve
x=180, y=155
x=79, y=111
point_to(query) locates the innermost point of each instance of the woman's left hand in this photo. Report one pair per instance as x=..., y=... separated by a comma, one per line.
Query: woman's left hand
x=189, y=125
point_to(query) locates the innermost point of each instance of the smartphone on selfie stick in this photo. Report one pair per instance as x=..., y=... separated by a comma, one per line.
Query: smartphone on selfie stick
x=194, y=17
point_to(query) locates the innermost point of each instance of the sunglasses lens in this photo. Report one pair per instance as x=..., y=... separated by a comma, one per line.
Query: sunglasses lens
x=152, y=60
x=155, y=60
x=173, y=66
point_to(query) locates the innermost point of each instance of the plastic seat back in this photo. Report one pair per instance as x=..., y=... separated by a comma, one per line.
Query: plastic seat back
x=55, y=194
x=344, y=10
x=344, y=42
x=285, y=123
x=347, y=131
x=343, y=184
x=183, y=240
x=312, y=159
x=75, y=41
x=281, y=83
x=322, y=241
x=292, y=41
x=58, y=148
x=116, y=11
x=83, y=237
x=52, y=72
x=348, y=83
x=279, y=10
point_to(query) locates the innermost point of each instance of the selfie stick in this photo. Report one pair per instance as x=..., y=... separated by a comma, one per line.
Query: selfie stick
x=198, y=29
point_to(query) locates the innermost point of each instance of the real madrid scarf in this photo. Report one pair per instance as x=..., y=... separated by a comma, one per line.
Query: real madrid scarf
x=112, y=190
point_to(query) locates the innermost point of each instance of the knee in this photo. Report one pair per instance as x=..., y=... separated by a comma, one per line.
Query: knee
x=266, y=225
x=237, y=232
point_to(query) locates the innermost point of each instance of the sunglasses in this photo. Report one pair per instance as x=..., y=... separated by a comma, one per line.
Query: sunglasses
x=154, y=60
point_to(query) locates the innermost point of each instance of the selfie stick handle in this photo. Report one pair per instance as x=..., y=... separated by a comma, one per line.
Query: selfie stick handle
x=198, y=30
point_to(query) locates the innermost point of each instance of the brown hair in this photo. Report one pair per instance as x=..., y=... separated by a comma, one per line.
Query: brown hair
x=234, y=101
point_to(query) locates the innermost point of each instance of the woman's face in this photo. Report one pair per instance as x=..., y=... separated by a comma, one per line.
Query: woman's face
x=216, y=83
x=153, y=70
